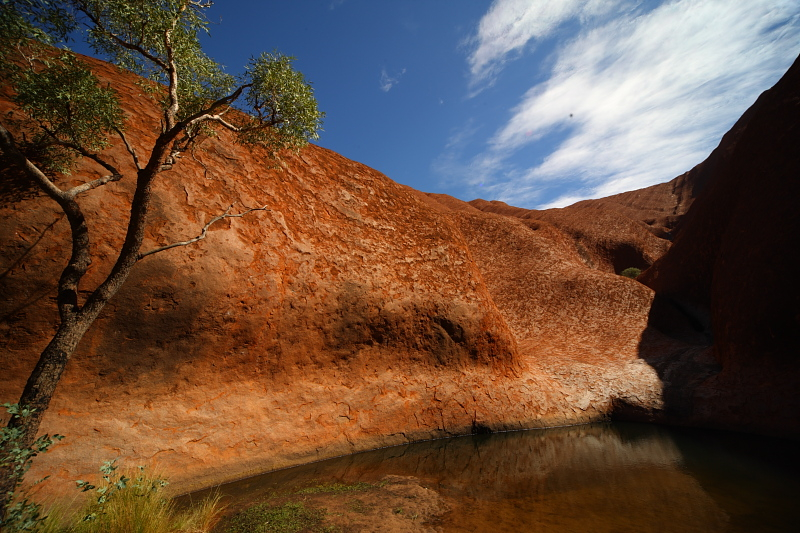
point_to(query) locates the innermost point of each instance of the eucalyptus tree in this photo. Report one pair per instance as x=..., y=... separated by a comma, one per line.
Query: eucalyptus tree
x=67, y=115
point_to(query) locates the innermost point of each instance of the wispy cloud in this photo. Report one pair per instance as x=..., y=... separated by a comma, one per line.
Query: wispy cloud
x=634, y=97
x=388, y=81
x=511, y=25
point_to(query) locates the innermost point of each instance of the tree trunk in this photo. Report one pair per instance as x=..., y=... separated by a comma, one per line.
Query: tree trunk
x=45, y=376
x=75, y=320
x=40, y=388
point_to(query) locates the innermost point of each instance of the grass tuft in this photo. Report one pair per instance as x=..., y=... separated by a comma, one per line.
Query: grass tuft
x=290, y=517
x=336, y=488
x=136, y=506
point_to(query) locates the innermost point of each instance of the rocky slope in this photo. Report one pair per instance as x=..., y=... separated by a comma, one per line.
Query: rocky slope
x=630, y=229
x=354, y=313
x=725, y=331
x=607, y=237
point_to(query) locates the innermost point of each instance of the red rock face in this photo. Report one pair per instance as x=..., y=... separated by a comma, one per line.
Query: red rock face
x=606, y=237
x=630, y=229
x=354, y=313
x=732, y=270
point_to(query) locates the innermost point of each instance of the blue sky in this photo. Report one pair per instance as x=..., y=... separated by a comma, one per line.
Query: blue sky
x=538, y=103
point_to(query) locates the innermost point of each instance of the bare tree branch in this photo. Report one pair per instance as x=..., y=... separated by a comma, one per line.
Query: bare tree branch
x=80, y=259
x=211, y=110
x=171, y=112
x=8, y=146
x=99, y=182
x=80, y=149
x=129, y=148
x=115, y=175
x=218, y=118
x=204, y=232
x=190, y=124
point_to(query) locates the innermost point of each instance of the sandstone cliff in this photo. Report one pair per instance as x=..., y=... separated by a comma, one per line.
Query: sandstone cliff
x=630, y=229
x=724, y=329
x=606, y=236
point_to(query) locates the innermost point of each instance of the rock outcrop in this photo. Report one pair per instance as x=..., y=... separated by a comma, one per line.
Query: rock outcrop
x=606, y=237
x=630, y=229
x=724, y=330
x=730, y=278
x=355, y=313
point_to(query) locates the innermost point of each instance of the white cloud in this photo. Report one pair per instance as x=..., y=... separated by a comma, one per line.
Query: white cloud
x=387, y=81
x=510, y=25
x=638, y=98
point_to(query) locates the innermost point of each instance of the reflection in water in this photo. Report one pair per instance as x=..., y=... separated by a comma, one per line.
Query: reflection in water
x=600, y=477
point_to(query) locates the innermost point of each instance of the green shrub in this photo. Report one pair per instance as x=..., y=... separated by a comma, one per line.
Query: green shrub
x=132, y=503
x=20, y=514
x=631, y=272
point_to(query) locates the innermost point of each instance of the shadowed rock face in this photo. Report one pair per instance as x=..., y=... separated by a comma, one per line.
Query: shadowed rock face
x=353, y=313
x=732, y=271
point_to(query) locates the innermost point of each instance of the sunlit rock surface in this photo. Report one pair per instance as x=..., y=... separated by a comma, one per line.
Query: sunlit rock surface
x=353, y=313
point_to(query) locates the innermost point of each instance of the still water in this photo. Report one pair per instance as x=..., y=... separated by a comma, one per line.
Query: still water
x=610, y=477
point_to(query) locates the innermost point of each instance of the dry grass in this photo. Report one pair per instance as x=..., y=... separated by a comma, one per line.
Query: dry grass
x=139, y=507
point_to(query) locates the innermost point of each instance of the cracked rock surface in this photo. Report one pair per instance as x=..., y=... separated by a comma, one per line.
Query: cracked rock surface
x=354, y=313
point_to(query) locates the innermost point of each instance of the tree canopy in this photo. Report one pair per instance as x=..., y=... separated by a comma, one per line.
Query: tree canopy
x=70, y=113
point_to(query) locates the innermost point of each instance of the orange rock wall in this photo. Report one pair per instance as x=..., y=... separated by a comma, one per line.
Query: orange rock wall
x=354, y=313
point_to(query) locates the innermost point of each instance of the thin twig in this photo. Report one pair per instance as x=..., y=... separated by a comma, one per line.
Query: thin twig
x=119, y=40
x=204, y=231
x=129, y=148
x=205, y=168
x=55, y=140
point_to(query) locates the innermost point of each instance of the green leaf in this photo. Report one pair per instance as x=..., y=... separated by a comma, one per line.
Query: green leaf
x=282, y=109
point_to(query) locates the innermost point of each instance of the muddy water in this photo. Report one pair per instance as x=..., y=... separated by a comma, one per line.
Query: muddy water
x=599, y=478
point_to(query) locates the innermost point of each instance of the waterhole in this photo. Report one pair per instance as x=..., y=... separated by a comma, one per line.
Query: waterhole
x=609, y=477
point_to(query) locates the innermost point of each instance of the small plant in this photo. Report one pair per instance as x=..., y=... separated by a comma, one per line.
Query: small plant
x=135, y=503
x=358, y=506
x=631, y=272
x=17, y=512
x=121, y=499
x=290, y=517
x=336, y=488
x=202, y=517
